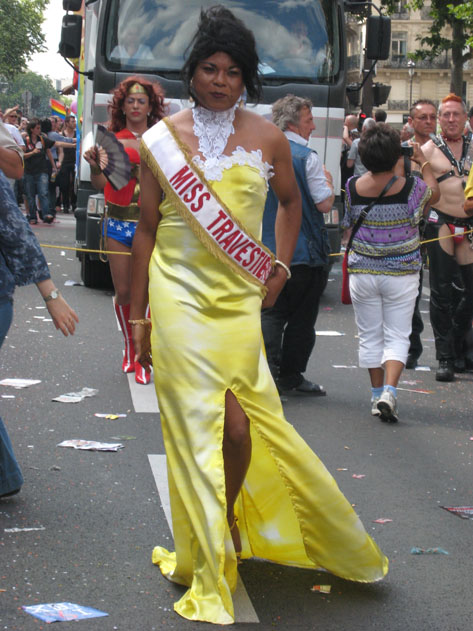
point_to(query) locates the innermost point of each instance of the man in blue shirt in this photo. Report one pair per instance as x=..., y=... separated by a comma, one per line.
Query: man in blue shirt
x=288, y=327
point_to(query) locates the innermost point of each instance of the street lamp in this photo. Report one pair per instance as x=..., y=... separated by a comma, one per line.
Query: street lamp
x=411, y=67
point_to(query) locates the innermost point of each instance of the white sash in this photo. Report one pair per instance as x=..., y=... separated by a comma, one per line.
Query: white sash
x=210, y=220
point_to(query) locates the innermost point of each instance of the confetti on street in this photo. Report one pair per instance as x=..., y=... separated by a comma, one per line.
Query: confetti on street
x=382, y=520
x=323, y=589
x=62, y=612
x=110, y=416
x=329, y=333
x=90, y=445
x=76, y=397
x=23, y=529
x=428, y=551
x=465, y=512
x=19, y=383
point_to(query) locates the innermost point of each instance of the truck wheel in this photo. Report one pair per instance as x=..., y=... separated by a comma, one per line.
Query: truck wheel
x=95, y=274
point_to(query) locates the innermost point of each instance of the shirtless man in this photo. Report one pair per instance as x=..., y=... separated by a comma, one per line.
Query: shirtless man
x=450, y=322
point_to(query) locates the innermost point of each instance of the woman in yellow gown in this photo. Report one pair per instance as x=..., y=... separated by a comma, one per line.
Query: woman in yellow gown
x=231, y=454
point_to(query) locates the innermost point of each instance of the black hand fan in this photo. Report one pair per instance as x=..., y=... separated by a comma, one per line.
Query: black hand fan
x=112, y=158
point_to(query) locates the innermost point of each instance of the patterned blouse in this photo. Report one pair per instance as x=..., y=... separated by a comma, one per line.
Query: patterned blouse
x=388, y=240
x=21, y=259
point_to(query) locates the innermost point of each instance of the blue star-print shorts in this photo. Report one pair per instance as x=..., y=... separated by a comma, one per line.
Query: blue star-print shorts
x=122, y=231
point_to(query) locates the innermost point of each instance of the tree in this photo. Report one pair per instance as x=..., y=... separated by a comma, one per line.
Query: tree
x=20, y=34
x=31, y=92
x=444, y=14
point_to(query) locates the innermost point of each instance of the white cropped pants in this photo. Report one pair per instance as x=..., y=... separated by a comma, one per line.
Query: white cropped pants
x=383, y=308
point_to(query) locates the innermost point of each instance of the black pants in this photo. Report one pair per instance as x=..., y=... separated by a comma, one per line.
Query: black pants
x=288, y=327
x=415, y=344
x=450, y=320
x=66, y=185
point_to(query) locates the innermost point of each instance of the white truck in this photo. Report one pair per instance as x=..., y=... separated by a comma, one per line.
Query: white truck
x=301, y=46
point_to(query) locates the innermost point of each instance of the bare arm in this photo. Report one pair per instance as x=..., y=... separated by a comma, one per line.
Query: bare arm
x=11, y=163
x=326, y=205
x=288, y=218
x=346, y=136
x=64, y=317
x=143, y=245
x=51, y=159
x=420, y=156
x=97, y=178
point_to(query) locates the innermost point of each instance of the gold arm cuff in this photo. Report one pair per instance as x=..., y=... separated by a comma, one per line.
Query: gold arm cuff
x=143, y=321
x=424, y=165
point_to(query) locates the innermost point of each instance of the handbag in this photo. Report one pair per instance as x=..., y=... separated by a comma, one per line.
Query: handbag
x=346, y=298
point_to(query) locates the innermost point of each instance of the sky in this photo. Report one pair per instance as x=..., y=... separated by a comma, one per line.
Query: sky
x=51, y=63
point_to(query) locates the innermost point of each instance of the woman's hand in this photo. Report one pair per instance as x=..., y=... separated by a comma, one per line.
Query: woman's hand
x=64, y=317
x=141, y=335
x=418, y=155
x=274, y=285
x=91, y=156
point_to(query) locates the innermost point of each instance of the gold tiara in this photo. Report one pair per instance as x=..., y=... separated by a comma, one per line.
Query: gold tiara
x=137, y=88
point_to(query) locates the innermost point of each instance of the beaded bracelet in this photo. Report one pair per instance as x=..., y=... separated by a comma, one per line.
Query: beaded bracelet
x=285, y=268
x=143, y=321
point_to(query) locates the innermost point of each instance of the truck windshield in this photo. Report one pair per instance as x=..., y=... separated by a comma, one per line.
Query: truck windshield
x=296, y=39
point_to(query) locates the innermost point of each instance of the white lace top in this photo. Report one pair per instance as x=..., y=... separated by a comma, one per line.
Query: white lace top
x=213, y=130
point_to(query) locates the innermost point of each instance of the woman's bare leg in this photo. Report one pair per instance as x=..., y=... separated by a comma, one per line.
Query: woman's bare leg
x=236, y=457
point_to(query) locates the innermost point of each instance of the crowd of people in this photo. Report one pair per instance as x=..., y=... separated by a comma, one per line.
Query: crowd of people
x=227, y=320
x=49, y=151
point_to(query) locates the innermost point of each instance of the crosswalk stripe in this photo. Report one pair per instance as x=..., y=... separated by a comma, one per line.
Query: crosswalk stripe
x=244, y=610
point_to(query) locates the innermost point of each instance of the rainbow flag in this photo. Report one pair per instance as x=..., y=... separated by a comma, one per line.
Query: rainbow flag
x=58, y=108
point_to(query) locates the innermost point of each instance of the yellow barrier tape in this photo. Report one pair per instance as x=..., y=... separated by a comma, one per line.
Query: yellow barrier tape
x=446, y=236
x=75, y=249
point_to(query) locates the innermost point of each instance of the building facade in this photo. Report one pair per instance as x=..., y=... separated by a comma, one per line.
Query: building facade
x=426, y=79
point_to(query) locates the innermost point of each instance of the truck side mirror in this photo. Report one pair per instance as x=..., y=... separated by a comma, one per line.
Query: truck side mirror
x=71, y=35
x=71, y=5
x=378, y=37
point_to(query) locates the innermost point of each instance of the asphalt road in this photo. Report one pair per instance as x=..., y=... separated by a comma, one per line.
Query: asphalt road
x=95, y=516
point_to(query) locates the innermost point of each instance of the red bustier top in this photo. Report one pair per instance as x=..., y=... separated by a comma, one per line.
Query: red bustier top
x=129, y=194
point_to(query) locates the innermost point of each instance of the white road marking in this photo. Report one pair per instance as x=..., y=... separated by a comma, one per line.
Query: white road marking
x=144, y=397
x=244, y=610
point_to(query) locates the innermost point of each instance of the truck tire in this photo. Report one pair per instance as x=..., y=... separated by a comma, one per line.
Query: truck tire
x=95, y=274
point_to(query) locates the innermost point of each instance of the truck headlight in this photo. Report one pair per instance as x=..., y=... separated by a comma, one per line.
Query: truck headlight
x=96, y=204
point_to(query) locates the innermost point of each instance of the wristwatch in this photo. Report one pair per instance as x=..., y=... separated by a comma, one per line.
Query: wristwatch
x=53, y=295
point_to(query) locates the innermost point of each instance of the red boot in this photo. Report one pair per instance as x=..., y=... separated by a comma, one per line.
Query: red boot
x=123, y=315
x=141, y=376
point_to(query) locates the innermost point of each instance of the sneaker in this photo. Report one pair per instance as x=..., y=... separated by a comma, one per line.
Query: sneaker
x=374, y=407
x=387, y=406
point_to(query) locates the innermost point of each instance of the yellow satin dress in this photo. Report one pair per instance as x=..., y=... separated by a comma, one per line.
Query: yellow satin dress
x=206, y=338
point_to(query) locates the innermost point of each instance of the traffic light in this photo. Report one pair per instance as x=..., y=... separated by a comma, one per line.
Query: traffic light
x=361, y=119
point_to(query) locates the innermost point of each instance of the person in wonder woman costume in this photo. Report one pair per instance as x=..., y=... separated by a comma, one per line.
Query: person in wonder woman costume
x=137, y=104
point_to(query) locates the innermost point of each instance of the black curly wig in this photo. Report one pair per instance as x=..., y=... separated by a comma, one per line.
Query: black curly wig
x=220, y=31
